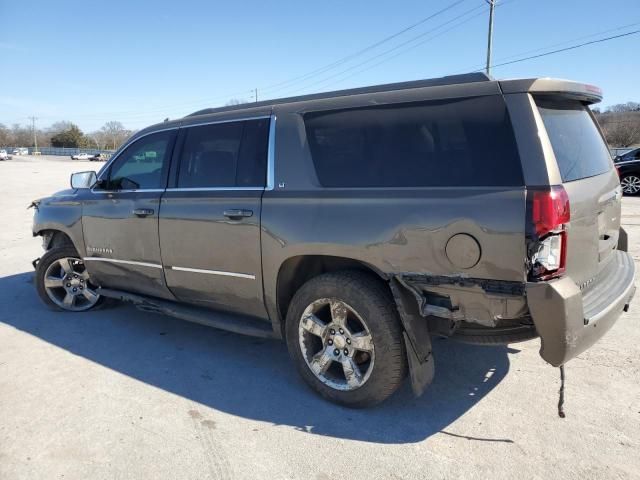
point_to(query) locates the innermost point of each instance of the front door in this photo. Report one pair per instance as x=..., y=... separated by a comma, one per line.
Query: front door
x=120, y=218
x=210, y=218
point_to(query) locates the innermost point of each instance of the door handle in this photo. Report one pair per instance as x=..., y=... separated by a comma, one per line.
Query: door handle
x=143, y=212
x=237, y=213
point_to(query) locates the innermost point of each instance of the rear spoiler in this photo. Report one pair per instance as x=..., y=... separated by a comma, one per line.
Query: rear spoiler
x=552, y=86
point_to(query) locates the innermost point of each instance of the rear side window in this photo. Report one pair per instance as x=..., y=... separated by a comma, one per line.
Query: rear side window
x=232, y=154
x=458, y=142
x=579, y=148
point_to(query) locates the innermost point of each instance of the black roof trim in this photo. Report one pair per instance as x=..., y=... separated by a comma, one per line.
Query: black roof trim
x=432, y=82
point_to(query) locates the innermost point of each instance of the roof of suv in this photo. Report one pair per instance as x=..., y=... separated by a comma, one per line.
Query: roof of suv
x=479, y=84
x=581, y=91
x=431, y=82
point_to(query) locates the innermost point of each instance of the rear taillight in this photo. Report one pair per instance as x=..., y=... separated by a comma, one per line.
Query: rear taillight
x=549, y=214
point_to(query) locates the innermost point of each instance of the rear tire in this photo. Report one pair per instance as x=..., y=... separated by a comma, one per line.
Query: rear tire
x=345, y=337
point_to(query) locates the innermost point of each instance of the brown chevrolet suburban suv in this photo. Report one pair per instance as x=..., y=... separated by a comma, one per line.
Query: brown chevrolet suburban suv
x=357, y=224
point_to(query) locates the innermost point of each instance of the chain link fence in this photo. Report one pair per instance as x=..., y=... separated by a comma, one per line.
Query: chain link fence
x=58, y=150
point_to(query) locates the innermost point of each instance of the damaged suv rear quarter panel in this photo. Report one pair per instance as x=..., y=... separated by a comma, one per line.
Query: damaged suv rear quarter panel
x=392, y=230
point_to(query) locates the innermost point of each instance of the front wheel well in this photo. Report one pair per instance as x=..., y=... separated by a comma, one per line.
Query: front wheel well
x=55, y=239
x=296, y=271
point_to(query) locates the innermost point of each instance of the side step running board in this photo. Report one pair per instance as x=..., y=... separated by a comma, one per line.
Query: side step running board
x=243, y=325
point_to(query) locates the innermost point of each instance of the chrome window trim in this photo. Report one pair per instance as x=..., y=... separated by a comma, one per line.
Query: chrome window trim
x=127, y=262
x=270, y=158
x=271, y=154
x=214, y=189
x=213, y=122
x=213, y=272
x=104, y=192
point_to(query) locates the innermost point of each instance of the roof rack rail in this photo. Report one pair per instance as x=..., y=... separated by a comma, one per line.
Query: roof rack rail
x=432, y=82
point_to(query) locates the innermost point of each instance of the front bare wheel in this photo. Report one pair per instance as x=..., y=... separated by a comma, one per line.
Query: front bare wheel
x=63, y=281
x=345, y=337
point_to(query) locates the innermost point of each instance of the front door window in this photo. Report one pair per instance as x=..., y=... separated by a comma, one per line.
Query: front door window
x=142, y=166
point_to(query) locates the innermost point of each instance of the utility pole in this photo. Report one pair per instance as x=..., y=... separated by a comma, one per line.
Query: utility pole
x=492, y=6
x=256, y=90
x=35, y=136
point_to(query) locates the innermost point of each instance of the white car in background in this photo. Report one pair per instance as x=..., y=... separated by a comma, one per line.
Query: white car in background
x=20, y=151
x=81, y=156
x=3, y=155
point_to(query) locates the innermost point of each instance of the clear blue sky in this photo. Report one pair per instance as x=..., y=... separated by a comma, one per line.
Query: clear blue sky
x=139, y=62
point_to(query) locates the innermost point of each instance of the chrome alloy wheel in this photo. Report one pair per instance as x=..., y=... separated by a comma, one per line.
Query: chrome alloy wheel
x=336, y=344
x=67, y=284
x=630, y=184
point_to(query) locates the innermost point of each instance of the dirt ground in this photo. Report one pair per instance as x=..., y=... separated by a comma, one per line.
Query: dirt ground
x=120, y=393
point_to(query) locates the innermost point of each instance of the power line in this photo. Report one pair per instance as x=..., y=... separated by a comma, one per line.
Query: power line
x=162, y=111
x=573, y=47
x=429, y=39
x=403, y=44
x=138, y=116
x=411, y=47
x=591, y=35
x=289, y=82
x=149, y=114
x=365, y=49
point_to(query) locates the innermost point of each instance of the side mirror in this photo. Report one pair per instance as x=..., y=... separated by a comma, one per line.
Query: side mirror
x=83, y=179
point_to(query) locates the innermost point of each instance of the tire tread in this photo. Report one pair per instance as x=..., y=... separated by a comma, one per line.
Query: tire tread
x=375, y=293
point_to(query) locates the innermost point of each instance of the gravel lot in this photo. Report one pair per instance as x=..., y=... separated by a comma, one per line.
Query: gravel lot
x=123, y=394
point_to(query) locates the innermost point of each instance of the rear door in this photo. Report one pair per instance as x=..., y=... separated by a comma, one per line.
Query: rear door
x=120, y=218
x=590, y=180
x=210, y=217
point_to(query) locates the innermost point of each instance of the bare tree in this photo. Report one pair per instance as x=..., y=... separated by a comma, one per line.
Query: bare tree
x=235, y=101
x=622, y=134
x=115, y=133
x=56, y=128
x=624, y=107
x=99, y=138
x=21, y=135
x=60, y=126
x=621, y=129
x=5, y=135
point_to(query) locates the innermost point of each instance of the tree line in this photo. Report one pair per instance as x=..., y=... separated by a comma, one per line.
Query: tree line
x=65, y=134
x=620, y=124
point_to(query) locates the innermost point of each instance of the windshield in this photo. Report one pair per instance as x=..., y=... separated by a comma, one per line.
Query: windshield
x=577, y=144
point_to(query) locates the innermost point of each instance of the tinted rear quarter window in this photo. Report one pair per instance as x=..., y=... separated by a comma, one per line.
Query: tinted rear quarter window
x=580, y=150
x=445, y=143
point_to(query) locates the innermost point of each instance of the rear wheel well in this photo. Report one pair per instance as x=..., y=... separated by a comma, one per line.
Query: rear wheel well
x=296, y=271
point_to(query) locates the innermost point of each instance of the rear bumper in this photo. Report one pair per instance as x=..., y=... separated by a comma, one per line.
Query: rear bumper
x=570, y=320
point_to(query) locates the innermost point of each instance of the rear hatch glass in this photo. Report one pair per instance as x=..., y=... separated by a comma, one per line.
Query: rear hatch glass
x=591, y=183
x=577, y=144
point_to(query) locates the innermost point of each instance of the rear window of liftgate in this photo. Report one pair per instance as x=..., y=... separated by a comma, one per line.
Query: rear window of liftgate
x=444, y=143
x=577, y=144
